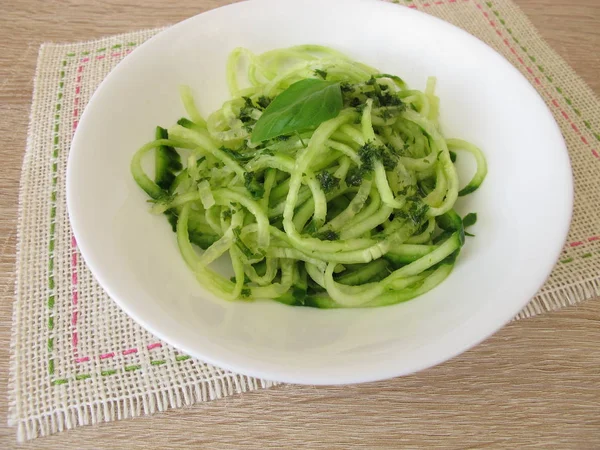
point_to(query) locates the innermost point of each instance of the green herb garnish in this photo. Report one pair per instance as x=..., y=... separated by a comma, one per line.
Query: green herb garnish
x=303, y=106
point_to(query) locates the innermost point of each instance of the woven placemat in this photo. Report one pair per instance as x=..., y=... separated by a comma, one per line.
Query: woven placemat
x=77, y=359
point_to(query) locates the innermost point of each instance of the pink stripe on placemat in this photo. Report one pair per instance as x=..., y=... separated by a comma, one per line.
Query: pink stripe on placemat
x=74, y=250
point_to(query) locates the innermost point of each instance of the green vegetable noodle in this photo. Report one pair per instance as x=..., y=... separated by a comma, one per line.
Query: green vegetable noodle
x=327, y=183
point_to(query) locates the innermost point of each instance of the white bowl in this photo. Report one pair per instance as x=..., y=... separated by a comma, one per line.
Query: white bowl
x=524, y=205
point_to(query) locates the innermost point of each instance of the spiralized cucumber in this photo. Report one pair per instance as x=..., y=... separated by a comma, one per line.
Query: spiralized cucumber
x=342, y=196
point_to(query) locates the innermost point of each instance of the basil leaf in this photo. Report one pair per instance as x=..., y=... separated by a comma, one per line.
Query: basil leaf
x=302, y=106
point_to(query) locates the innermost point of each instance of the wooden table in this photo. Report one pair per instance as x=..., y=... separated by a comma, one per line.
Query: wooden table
x=535, y=384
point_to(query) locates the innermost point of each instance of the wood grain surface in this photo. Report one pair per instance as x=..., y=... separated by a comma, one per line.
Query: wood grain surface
x=535, y=384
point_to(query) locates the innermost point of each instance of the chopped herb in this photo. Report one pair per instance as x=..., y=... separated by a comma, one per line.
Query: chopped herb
x=359, y=109
x=407, y=191
x=389, y=99
x=321, y=73
x=369, y=153
x=414, y=211
x=328, y=235
x=386, y=114
x=382, y=95
x=227, y=214
x=417, y=211
x=234, y=279
x=255, y=188
x=452, y=156
x=390, y=159
x=246, y=111
x=346, y=87
x=328, y=181
x=244, y=116
x=354, y=177
x=263, y=101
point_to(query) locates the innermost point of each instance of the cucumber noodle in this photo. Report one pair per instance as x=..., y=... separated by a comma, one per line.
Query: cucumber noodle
x=356, y=211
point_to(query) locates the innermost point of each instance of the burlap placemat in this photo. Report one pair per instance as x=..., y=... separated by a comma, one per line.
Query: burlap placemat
x=77, y=359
